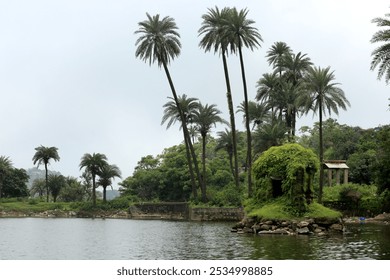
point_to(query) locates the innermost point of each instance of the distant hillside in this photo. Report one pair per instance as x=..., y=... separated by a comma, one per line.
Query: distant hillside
x=35, y=173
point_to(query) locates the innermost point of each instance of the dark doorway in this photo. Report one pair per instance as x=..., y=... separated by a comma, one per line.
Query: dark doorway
x=276, y=188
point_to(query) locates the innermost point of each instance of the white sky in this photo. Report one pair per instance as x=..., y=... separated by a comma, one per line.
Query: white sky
x=69, y=77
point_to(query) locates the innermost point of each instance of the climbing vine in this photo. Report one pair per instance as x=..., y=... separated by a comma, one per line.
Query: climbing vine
x=293, y=166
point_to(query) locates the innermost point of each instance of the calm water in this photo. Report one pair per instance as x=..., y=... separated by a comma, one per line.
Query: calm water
x=79, y=239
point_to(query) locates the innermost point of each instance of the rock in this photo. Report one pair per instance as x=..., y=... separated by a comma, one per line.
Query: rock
x=285, y=224
x=317, y=230
x=265, y=227
x=247, y=230
x=269, y=223
x=303, y=224
x=337, y=227
x=304, y=230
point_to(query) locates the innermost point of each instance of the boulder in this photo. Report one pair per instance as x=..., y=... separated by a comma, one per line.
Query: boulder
x=304, y=230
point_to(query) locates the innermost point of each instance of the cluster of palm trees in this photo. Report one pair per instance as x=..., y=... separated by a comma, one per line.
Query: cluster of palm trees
x=199, y=119
x=96, y=166
x=294, y=87
x=228, y=30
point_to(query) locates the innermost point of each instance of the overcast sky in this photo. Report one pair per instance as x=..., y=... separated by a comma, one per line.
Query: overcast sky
x=69, y=77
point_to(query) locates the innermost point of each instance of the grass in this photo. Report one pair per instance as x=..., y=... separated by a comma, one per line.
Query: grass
x=278, y=210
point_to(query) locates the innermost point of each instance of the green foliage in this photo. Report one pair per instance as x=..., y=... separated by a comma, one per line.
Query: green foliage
x=335, y=193
x=227, y=196
x=15, y=183
x=292, y=164
x=281, y=209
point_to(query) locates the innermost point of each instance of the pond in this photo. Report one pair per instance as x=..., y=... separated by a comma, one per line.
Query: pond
x=123, y=239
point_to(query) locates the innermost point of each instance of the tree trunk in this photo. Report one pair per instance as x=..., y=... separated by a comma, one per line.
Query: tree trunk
x=184, y=125
x=47, y=183
x=192, y=175
x=247, y=124
x=204, y=195
x=232, y=120
x=104, y=194
x=93, y=190
x=321, y=152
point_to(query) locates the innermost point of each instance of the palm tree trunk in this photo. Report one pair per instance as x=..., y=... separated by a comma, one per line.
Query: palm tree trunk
x=204, y=196
x=321, y=152
x=232, y=120
x=104, y=194
x=247, y=124
x=47, y=183
x=187, y=137
x=192, y=175
x=93, y=190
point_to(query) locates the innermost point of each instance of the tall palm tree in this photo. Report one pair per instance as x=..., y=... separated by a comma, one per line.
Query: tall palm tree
x=107, y=174
x=381, y=55
x=5, y=167
x=159, y=42
x=43, y=155
x=241, y=33
x=205, y=117
x=171, y=115
x=213, y=31
x=325, y=95
x=93, y=165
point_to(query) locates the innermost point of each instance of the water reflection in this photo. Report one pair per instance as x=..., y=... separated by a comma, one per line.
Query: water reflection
x=30, y=238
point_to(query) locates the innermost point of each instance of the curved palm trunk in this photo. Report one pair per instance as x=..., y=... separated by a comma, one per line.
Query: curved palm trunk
x=192, y=175
x=47, y=183
x=247, y=124
x=232, y=120
x=187, y=137
x=321, y=153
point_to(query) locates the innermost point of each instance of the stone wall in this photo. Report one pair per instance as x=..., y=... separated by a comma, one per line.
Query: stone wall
x=182, y=211
x=216, y=214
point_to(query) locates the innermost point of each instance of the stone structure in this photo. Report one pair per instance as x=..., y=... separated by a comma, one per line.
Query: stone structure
x=337, y=166
x=183, y=211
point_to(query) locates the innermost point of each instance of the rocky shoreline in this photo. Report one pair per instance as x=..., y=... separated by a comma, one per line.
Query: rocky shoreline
x=117, y=214
x=317, y=226
x=290, y=227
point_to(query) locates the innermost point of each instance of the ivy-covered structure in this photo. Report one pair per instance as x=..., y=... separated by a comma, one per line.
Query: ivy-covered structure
x=288, y=171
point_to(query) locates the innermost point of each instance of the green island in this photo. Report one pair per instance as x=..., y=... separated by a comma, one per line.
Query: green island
x=281, y=178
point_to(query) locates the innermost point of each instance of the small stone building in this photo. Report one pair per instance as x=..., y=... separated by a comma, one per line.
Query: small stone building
x=336, y=167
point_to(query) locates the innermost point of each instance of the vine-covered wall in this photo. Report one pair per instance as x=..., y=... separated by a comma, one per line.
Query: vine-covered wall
x=288, y=171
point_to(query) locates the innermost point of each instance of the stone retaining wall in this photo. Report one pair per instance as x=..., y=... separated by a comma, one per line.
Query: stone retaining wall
x=182, y=211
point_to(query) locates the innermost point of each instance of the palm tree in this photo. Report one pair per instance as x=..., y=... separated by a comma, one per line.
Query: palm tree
x=56, y=183
x=240, y=32
x=325, y=95
x=94, y=165
x=43, y=155
x=381, y=55
x=269, y=134
x=5, y=167
x=107, y=173
x=276, y=54
x=257, y=112
x=38, y=187
x=213, y=31
x=172, y=114
x=159, y=42
x=224, y=142
x=204, y=118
